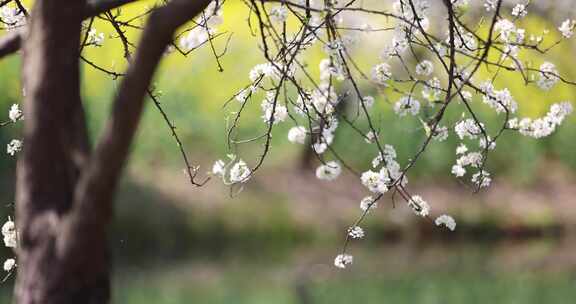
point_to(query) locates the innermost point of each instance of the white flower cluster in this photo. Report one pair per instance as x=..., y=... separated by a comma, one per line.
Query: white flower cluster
x=520, y=10
x=274, y=112
x=297, y=135
x=9, y=264
x=342, y=260
x=419, y=206
x=15, y=113
x=316, y=101
x=356, y=232
x=11, y=16
x=11, y=241
x=447, y=221
x=234, y=172
x=425, y=68
x=328, y=171
x=278, y=14
x=567, y=28
x=407, y=105
x=389, y=174
x=368, y=203
x=432, y=91
x=544, y=126
x=381, y=74
x=548, y=76
x=95, y=38
x=468, y=128
x=14, y=146
x=9, y=234
x=205, y=27
x=500, y=100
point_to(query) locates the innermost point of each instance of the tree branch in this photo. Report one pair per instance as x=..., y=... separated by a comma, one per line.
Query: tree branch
x=10, y=43
x=93, y=197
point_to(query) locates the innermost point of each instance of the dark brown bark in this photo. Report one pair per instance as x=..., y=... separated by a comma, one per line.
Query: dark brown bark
x=64, y=193
x=49, y=167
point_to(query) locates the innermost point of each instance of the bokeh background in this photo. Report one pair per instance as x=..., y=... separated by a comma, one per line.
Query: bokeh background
x=275, y=241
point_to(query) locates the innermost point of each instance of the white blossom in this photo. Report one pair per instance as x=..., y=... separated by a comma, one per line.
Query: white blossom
x=567, y=28
x=519, y=10
x=407, y=105
x=447, y=221
x=273, y=110
x=9, y=264
x=240, y=172
x=548, y=76
x=329, y=171
x=278, y=14
x=368, y=203
x=375, y=181
x=95, y=38
x=14, y=146
x=419, y=206
x=482, y=179
x=15, y=113
x=425, y=68
x=219, y=167
x=342, y=260
x=381, y=74
x=195, y=38
x=461, y=149
x=458, y=170
x=9, y=233
x=370, y=137
x=11, y=17
x=356, y=232
x=468, y=128
x=297, y=135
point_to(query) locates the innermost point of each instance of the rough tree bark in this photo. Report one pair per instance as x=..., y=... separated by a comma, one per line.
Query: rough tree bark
x=64, y=189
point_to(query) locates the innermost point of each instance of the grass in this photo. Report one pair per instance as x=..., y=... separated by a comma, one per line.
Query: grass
x=250, y=287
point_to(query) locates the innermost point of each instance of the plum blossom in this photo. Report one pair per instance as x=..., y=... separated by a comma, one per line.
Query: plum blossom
x=329, y=171
x=548, y=76
x=356, y=232
x=15, y=113
x=219, y=168
x=425, y=68
x=10, y=234
x=419, y=206
x=14, y=146
x=297, y=135
x=9, y=264
x=240, y=172
x=375, y=181
x=447, y=221
x=567, y=28
x=368, y=203
x=342, y=260
x=407, y=105
x=278, y=14
x=381, y=74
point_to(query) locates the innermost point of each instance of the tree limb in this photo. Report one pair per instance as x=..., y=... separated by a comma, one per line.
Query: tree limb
x=11, y=42
x=93, y=197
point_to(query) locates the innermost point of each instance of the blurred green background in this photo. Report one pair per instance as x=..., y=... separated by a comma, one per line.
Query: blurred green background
x=275, y=241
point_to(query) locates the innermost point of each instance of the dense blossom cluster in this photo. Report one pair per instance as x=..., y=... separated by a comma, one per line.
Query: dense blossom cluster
x=10, y=236
x=433, y=57
x=431, y=65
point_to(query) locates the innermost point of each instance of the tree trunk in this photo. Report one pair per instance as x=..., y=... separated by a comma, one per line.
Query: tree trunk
x=64, y=189
x=56, y=148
